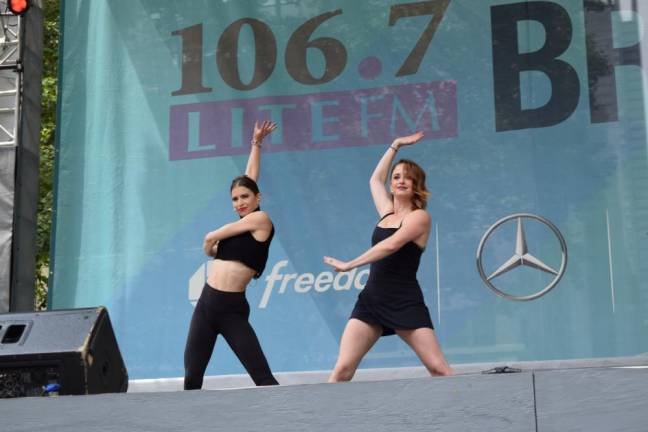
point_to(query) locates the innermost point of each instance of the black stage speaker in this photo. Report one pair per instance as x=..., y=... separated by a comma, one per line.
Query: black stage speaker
x=74, y=350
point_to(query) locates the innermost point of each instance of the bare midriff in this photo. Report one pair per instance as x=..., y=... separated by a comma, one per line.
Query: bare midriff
x=231, y=276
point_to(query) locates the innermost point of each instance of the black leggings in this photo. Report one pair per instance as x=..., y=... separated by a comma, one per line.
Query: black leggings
x=225, y=313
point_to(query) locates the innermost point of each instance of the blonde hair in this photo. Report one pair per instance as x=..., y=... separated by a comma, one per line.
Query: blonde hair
x=421, y=194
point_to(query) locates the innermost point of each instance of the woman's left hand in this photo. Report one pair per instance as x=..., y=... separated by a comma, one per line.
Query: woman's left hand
x=338, y=266
x=262, y=130
x=408, y=140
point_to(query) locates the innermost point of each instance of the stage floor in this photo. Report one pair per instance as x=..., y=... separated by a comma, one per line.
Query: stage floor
x=587, y=399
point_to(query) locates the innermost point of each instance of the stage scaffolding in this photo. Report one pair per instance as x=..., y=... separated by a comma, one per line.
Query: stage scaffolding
x=21, y=40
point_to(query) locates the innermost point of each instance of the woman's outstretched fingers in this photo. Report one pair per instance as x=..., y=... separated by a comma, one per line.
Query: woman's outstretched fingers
x=264, y=129
x=409, y=139
x=337, y=265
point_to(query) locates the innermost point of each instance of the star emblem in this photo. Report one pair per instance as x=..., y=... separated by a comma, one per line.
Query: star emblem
x=522, y=257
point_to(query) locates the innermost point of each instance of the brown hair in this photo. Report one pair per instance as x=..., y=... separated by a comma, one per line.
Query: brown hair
x=421, y=194
x=245, y=181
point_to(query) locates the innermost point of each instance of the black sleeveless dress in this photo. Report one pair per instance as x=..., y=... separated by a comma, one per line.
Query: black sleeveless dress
x=392, y=297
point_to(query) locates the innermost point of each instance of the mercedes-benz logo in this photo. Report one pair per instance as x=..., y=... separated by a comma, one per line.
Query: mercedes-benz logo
x=522, y=257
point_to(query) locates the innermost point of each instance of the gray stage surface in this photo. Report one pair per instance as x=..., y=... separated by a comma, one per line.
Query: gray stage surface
x=593, y=399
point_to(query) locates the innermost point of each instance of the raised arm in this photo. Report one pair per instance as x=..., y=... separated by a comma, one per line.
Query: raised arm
x=254, y=161
x=254, y=221
x=381, y=197
x=414, y=226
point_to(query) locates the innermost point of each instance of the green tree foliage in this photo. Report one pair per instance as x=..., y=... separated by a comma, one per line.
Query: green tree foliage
x=47, y=149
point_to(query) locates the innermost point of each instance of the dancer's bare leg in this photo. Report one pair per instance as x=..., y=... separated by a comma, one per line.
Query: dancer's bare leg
x=426, y=346
x=357, y=339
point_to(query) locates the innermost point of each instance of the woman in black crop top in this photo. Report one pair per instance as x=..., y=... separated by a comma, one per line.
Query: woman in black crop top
x=240, y=251
x=392, y=301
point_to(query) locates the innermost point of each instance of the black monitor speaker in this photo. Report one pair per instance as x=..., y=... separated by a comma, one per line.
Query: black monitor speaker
x=73, y=352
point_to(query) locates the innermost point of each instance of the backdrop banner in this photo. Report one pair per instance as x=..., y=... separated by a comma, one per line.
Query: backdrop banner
x=535, y=151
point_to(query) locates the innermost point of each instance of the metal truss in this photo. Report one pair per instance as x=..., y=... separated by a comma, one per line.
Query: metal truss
x=10, y=75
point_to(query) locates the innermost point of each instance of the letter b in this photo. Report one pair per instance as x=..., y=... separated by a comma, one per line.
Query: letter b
x=508, y=64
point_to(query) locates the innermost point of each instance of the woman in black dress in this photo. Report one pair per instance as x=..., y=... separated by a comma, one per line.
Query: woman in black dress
x=392, y=301
x=240, y=251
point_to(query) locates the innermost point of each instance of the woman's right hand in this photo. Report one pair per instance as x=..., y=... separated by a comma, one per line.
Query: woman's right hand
x=407, y=140
x=214, y=250
x=263, y=130
x=338, y=266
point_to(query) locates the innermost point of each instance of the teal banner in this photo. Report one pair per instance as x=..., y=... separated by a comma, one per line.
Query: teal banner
x=535, y=151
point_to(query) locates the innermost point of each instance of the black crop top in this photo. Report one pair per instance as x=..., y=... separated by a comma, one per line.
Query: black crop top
x=246, y=249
